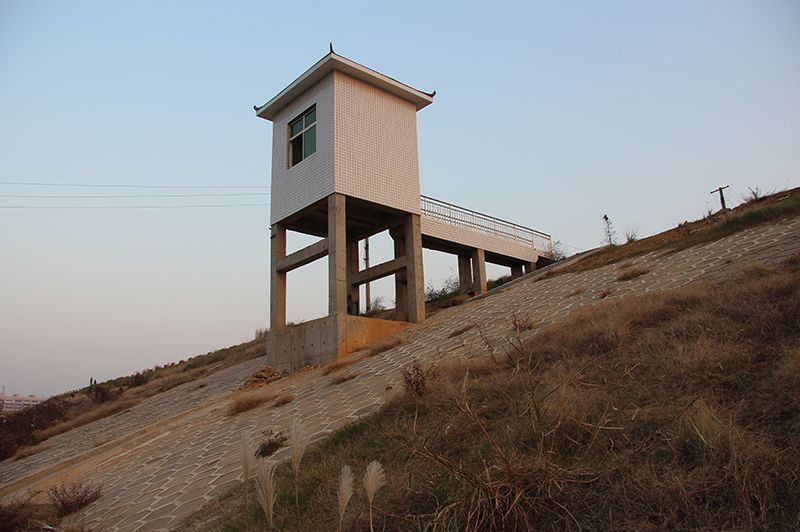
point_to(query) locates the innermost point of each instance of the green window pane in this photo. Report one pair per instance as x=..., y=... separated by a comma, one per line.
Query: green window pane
x=311, y=117
x=296, y=150
x=309, y=142
x=296, y=127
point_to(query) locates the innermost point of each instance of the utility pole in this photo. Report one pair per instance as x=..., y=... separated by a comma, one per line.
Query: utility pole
x=721, y=195
x=366, y=265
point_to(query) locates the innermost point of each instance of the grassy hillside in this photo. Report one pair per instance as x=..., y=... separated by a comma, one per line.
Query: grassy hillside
x=675, y=410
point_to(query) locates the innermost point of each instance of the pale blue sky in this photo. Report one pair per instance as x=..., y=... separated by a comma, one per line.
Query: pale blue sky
x=549, y=114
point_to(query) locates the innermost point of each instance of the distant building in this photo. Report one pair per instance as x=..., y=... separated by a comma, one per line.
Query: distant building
x=16, y=402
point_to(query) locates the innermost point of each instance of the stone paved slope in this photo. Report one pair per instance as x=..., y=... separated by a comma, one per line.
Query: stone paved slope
x=162, y=406
x=159, y=478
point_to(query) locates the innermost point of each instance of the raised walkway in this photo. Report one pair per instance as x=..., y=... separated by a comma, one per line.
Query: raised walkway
x=174, y=452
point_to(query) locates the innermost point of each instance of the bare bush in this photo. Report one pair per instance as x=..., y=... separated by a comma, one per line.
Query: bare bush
x=15, y=514
x=69, y=498
x=271, y=442
x=415, y=378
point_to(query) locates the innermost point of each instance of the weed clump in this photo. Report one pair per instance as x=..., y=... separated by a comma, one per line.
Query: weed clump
x=69, y=498
x=341, y=379
x=631, y=272
x=416, y=378
x=271, y=442
x=242, y=402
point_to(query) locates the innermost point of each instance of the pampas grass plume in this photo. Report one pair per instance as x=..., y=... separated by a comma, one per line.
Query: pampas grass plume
x=374, y=479
x=265, y=488
x=299, y=441
x=345, y=492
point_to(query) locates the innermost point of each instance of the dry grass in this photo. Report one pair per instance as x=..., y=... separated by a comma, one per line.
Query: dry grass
x=604, y=293
x=631, y=272
x=462, y=330
x=768, y=209
x=24, y=452
x=244, y=401
x=339, y=379
x=98, y=412
x=521, y=322
x=675, y=410
x=336, y=365
x=261, y=377
x=576, y=292
x=384, y=345
x=283, y=400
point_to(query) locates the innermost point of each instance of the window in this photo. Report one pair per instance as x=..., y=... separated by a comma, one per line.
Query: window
x=303, y=136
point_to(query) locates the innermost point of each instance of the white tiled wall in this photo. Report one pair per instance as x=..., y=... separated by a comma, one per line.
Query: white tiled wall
x=376, y=145
x=366, y=148
x=313, y=178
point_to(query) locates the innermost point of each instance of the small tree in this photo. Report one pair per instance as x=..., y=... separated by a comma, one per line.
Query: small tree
x=609, y=237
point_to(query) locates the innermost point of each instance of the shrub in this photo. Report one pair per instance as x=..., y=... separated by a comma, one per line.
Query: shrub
x=102, y=393
x=139, y=378
x=69, y=498
x=19, y=428
x=15, y=515
x=450, y=287
x=415, y=378
x=272, y=442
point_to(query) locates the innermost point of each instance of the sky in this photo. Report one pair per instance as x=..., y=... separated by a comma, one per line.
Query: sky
x=548, y=114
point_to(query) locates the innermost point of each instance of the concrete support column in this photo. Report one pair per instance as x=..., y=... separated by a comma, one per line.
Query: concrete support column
x=415, y=280
x=478, y=271
x=337, y=267
x=400, y=280
x=465, y=273
x=353, y=266
x=277, y=302
x=516, y=271
x=529, y=267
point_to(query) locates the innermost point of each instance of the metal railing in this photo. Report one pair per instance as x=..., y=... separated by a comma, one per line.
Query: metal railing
x=481, y=223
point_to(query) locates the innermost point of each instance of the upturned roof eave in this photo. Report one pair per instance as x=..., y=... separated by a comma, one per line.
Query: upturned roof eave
x=328, y=64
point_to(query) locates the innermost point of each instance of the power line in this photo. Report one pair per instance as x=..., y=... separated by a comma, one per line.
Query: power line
x=81, y=196
x=133, y=206
x=117, y=185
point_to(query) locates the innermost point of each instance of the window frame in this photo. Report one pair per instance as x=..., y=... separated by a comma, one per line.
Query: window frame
x=290, y=138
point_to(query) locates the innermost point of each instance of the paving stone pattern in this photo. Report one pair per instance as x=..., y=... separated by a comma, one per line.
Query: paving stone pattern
x=158, y=482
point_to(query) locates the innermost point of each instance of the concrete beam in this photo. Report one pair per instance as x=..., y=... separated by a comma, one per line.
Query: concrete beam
x=415, y=281
x=303, y=256
x=353, y=296
x=391, y=224
x=399, y=237
x=478, y=271
x=379, y=271
x=337, y=256
x=529, y=267
x=277, y=301
x=464, y=273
